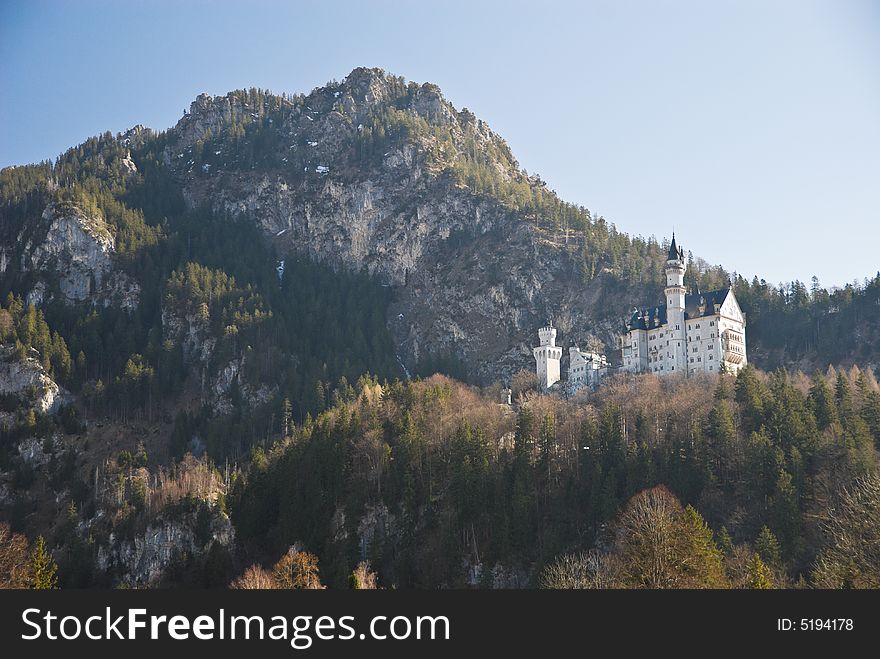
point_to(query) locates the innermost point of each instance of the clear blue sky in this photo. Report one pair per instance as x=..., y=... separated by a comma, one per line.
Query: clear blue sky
x=752, y=127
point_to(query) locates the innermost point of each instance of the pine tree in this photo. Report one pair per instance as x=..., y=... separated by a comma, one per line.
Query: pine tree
x=759, y=574
x=843, y=395
x=44, y=570
x=871, y=413
x=545, y=450
x=725, y=542
x=702, y=559
x=822, y=402
x=768, y=548
x=785, y=512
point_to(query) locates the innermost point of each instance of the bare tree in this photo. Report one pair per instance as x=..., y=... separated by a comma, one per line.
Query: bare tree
x=297, y=570
x=585, y=570
x=363, y=578
x=254, y=578
x=15, y=569
x=662, y=545
x=852, y=559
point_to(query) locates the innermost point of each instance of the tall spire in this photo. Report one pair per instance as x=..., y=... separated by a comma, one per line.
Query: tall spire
x=674, y=253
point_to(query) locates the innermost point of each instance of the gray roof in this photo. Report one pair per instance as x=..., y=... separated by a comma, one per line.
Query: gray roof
x=696, y=305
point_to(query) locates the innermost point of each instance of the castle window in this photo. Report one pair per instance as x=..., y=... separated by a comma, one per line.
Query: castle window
x=697, y=325
x=699, y=359
x=710, y=368
x=692, y=360
x=711, y=323
x=678, y=327
x=710, y=356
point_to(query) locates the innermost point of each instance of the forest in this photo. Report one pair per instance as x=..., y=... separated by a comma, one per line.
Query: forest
x=776, y=466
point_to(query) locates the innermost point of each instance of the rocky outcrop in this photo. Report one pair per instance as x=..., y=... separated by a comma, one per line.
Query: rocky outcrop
x=74, y=249
x=220, y=394
x=143, y=560
x=77, y=248
x=28, y=381
x=190, y=330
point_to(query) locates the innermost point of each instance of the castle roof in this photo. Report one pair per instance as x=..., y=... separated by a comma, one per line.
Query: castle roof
x=675, y=253
x=696, y=305
x=705, y=301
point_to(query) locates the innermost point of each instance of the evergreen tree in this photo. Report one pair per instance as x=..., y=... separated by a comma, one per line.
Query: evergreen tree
x=44, y=570
x=768, y=548
x=822, y=402
x=759, y=574
x=785, y=514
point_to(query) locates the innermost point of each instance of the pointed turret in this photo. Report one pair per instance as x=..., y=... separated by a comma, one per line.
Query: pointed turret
x=674, y=252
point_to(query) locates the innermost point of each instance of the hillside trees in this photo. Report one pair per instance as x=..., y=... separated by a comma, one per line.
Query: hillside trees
x=475, y=481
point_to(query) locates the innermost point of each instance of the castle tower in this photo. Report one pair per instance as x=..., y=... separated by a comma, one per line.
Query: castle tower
x=547, y=357
x=675, y=304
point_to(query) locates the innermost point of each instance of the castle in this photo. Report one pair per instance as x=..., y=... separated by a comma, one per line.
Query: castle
x=691, y=333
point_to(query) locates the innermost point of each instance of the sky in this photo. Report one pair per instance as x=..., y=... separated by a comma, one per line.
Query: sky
x=750, y=127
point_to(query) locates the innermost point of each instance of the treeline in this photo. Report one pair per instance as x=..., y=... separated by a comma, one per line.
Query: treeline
x=792, y=322
x=438, y=486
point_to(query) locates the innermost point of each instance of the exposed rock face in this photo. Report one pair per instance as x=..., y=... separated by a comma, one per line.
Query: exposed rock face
x=26, y=379
x=221, y=391
x=470, y=279
x=144, y=560
x=31, y=451
x=377, y=523
x=77, y=248
x=191, y=332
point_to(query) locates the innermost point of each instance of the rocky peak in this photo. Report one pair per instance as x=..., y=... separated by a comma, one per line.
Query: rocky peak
x=366, y=86
x=135, y=136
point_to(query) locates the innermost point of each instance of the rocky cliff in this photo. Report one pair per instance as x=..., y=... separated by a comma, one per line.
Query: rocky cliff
x=27, y=381
x=169, y=540
x=471, y=279
x=69, y=252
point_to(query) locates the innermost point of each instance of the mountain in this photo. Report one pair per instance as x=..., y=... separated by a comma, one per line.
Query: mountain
x=369, y=175
x=177, y=300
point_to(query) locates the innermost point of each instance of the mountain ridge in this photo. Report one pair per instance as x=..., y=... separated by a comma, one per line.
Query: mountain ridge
x=384, y=176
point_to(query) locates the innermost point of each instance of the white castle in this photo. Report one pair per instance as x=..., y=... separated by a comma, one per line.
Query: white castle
x=691, y=333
